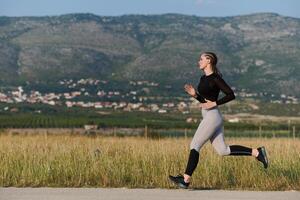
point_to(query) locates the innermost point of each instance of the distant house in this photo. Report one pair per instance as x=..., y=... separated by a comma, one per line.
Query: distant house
x=98, y=105
x=154, y=107
x=191, y=120
x=89, y=127
x=69, y=104
x=52, y=103
x=162, y=111
x=14, y=110
x=181, y=106
x=234, y=120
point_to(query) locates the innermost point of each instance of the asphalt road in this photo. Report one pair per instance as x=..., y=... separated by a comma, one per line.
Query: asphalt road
x=140, y=194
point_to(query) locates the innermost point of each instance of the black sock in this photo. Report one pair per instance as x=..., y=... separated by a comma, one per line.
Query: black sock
x=192, y=162
x=237, y=150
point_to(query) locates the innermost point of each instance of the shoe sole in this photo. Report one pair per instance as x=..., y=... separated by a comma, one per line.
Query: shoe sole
x=264, y=152
x=178, y=184
x=182, y=186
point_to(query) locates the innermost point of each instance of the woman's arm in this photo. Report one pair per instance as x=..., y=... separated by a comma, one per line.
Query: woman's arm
x=200, y=98
x=191, y=91
x=229, y=94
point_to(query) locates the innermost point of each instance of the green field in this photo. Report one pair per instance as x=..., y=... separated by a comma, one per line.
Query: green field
x=136, y=162
x=61, y=117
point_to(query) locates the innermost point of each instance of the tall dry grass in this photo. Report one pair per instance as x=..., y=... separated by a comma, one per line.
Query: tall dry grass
x=79, y=161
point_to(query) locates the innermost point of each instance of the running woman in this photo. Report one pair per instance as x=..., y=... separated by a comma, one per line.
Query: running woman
x=211, y=126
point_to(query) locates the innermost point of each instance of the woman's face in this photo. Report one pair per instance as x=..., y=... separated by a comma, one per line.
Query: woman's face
x=203, y=62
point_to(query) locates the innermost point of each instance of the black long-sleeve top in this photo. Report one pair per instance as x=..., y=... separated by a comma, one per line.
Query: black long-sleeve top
x=209, y=88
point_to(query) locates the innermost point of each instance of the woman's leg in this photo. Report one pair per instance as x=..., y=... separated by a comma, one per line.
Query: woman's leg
x=218, y=142
x=204, y=132
x=220, y=146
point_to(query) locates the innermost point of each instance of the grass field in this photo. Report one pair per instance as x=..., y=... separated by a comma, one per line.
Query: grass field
x=136, y=162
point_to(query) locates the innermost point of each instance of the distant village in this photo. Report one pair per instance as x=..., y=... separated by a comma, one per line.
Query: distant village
x=139, y=103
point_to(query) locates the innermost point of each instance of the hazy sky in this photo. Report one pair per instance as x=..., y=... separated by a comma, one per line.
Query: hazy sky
x=121, y=7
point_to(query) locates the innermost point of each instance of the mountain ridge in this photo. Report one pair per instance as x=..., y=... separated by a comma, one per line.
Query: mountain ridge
x=251, y=48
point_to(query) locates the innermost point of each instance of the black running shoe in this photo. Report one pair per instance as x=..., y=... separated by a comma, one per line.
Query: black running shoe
x=179, y=181
x=262, y=156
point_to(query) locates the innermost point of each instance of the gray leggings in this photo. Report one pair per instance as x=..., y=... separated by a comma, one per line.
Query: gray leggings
x=211, y=127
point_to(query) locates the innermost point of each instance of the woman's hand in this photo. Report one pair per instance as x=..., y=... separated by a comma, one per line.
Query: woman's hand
x=190, y=90
x=208, y=105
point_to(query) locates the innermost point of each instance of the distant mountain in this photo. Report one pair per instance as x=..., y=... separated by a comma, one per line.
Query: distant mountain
x=258, y=53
